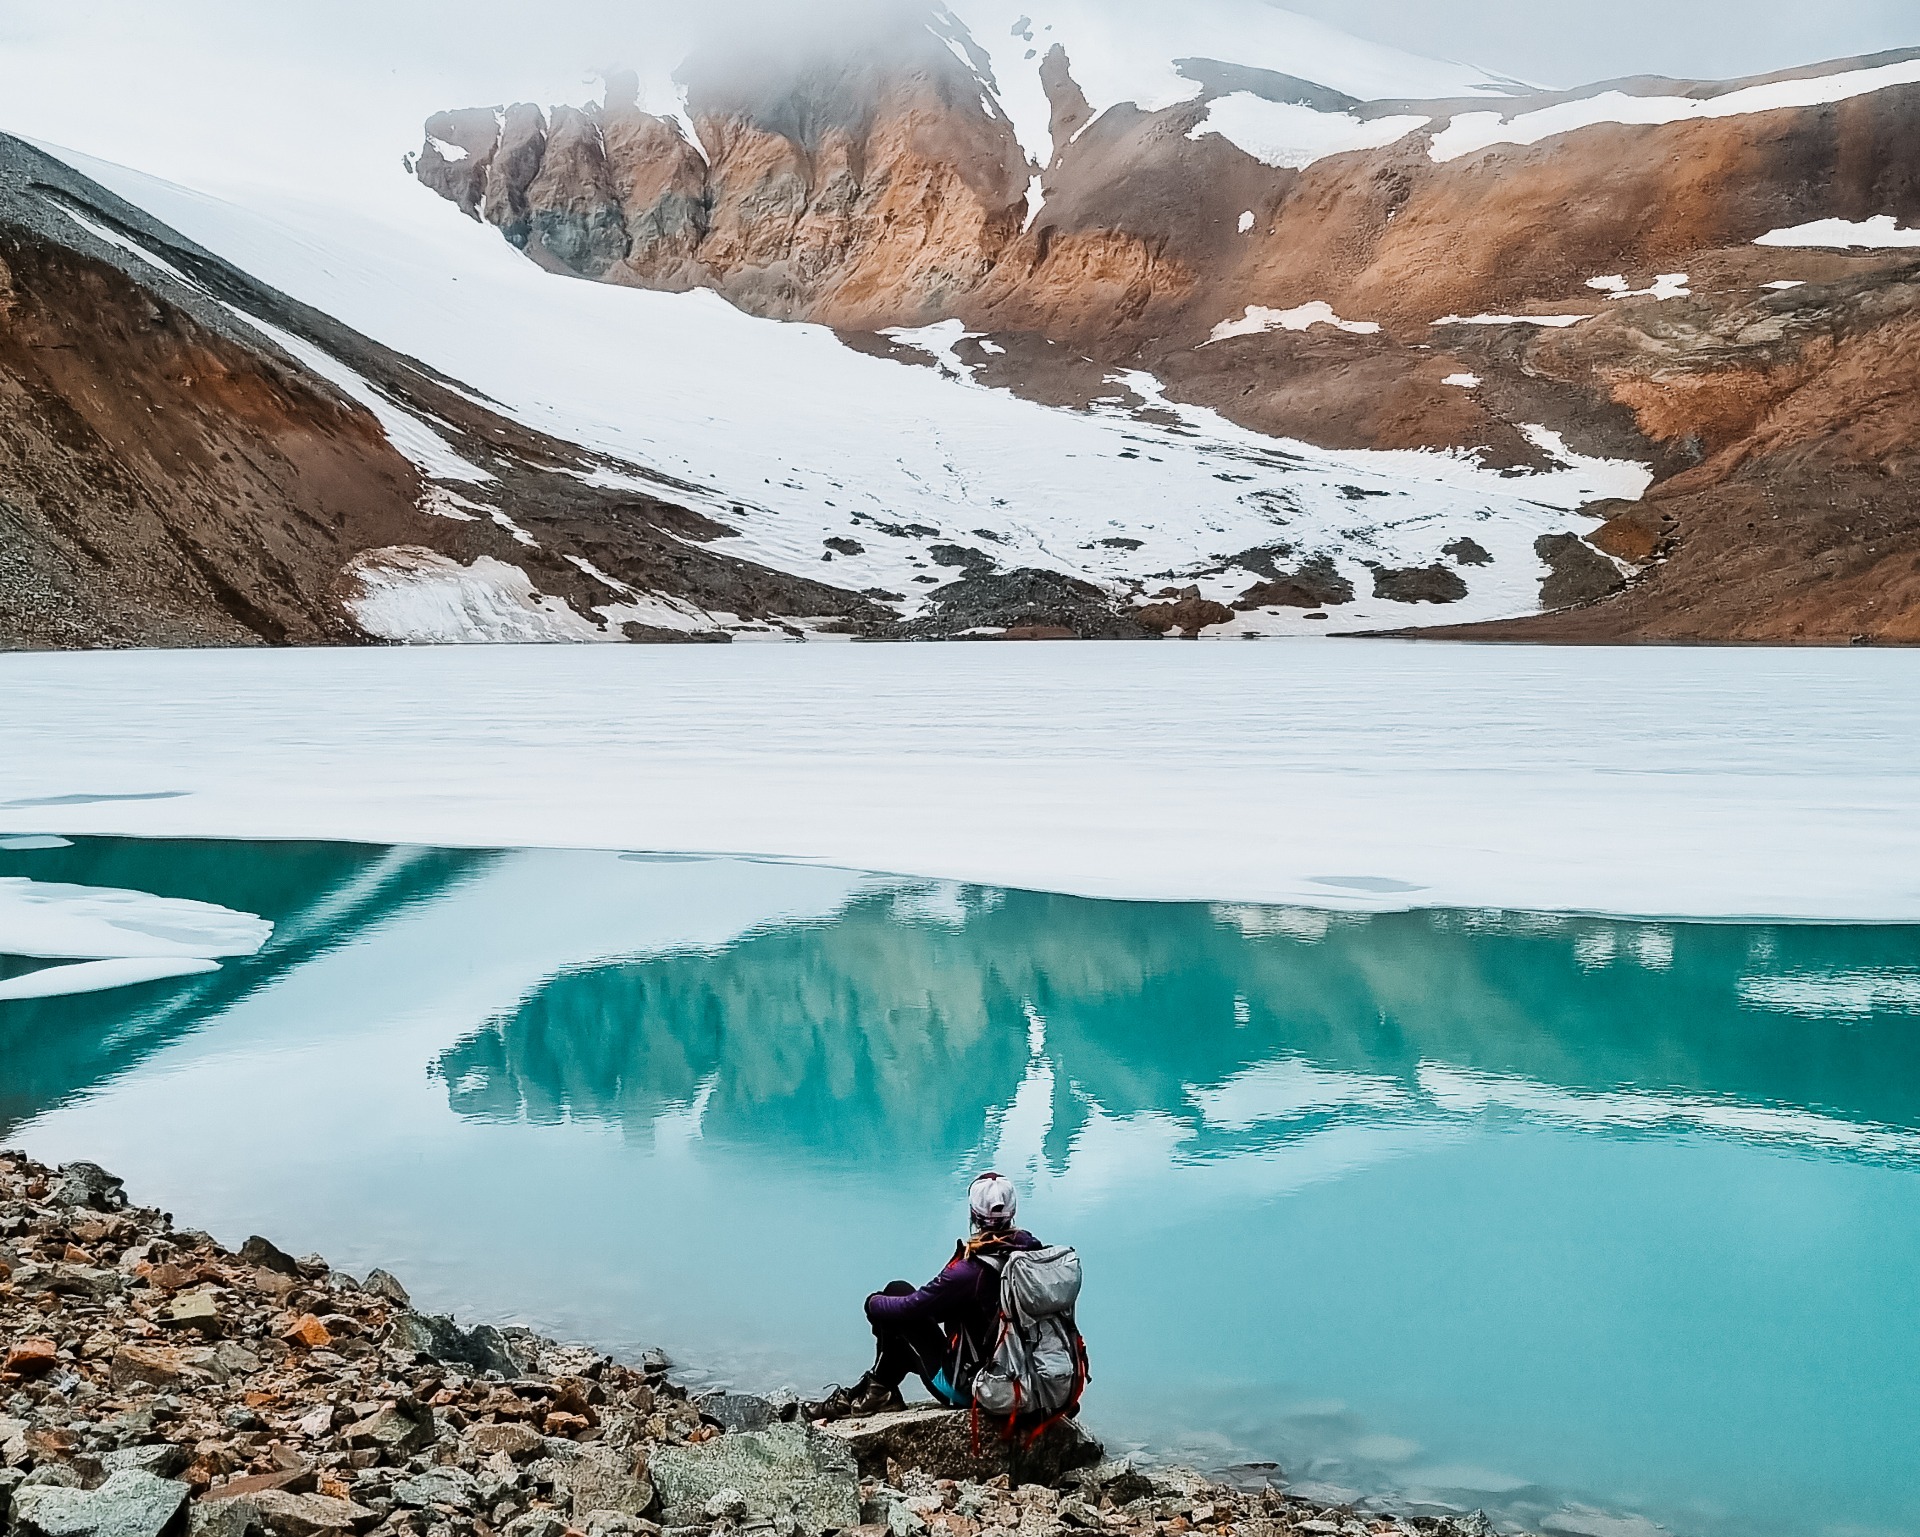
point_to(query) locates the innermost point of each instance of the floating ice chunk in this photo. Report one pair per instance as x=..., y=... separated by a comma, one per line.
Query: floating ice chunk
x=412, y=594
x=1879, y=233
x=1315, y=312
x=1511, y=320
x=1470, y=131
x=1246, y=221
x=54, y=921
x=98, y=976
x=28, y=841
x=1463, y=381
x=1286, y=134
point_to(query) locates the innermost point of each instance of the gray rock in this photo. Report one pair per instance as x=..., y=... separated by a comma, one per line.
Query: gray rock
x=309, y=1515
x=62, y=1475
x=440, y=1339
x=237, y=1517
x=786, y=1472
x=604, y=1479
x=383, y=1284
x=129, y=1504
x=264, y=1254
x=736, y=1411
x=396, y=1428
x=535, y=1523
x=438, y=1486
x=162, y=1460
x=87, y=1184
x=939, y=1442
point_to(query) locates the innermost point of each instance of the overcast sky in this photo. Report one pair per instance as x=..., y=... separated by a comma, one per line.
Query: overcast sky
x=1560, y=42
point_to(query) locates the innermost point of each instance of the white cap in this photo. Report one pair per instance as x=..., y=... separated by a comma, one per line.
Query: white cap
x=992, y=1202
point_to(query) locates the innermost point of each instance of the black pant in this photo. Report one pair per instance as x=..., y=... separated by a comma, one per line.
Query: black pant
x=901, y=1351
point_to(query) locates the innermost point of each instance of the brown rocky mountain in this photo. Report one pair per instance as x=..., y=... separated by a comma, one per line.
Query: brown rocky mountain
x=882, y=182
x=180, y=465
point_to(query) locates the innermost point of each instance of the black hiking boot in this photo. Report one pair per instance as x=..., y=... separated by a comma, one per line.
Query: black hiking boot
x=872, y=1398
x=865, y=1397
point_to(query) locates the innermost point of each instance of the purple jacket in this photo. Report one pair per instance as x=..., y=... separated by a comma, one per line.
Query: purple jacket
x=963, y=1298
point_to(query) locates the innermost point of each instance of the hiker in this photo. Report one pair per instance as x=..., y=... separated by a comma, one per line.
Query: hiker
x=943, y=1330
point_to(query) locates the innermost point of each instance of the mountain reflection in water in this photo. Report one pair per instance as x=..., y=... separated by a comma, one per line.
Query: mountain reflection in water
x=1464, y=1209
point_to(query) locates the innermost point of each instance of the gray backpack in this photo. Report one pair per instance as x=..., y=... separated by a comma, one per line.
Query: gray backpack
x=1038, y=1365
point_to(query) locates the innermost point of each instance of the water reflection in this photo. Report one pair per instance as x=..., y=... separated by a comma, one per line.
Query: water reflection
x=1476, y=1208
x=918, y=1023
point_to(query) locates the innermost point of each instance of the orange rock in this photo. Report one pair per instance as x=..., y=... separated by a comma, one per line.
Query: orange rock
x=307, y=1332
x=29, y=1358
x=560, y=1423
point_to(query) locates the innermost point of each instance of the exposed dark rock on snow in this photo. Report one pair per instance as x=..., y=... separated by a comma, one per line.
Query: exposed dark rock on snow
x=1025, y=599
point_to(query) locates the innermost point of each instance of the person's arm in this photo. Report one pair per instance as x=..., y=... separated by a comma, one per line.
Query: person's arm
x=930, y=1303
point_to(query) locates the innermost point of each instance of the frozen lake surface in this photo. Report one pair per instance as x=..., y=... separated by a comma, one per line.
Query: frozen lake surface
x=1354, y=775
x=1586, y=1221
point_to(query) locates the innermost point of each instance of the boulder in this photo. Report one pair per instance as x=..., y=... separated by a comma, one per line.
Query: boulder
x=198, y=1309
x=224, y=1518
x=398, y=1428
x=438, y=1486
x=264, y=1255
x=518, y=1441
x=939, y=1442
x=736, y=1411
x=163, y=1459
x=159, y=1366
x=439, y=1338
x=309, y=1515
x=605, y=1479
x=29, y=1358
x=785, y=1472
x=129, y=1504
x=382, y=1284
x=87, y=1184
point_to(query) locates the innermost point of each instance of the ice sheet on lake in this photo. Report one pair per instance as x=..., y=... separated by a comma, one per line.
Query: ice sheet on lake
x=1624, y=781
x=55, y=921
x=98, y=976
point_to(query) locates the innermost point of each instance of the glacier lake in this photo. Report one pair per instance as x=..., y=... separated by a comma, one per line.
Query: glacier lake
x=1584, y=1221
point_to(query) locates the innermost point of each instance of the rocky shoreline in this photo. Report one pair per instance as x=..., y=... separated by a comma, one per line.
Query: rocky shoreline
x=156, y=1384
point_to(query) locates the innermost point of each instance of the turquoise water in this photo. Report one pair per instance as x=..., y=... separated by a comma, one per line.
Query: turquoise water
x=1571, y=1219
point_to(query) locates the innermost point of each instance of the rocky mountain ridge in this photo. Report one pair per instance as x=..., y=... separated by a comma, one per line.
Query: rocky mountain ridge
x=1470, y=279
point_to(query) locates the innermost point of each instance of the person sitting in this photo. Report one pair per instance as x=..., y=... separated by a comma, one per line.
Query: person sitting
x=941, y=1331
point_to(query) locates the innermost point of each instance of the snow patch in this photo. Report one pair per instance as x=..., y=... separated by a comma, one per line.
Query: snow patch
x=1879, y=233
x=1472, y=131
x=1780, y=285
x=937, y=341
x=1511, y=320
x=1463, y=381
x=1246, y=221
x=430, y=453
x=1668, y=285
x=1286, y=134
x=452, y=153
x=1315, y=312
x=415, y=595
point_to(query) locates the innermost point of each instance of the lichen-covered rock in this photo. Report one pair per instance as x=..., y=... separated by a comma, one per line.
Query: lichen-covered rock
x=786, y=1472
x=129, y=1504
x=605, y=1479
